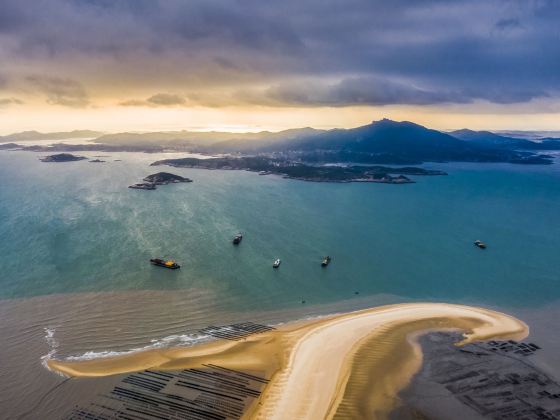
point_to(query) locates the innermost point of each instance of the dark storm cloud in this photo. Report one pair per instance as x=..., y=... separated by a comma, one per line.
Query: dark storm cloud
x=313, y=52
x=505, y=24
x=363, y=91
x=378, y=91
x=354, y=91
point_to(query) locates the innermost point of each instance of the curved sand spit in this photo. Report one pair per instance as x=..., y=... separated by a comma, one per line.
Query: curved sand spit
x=342, y=366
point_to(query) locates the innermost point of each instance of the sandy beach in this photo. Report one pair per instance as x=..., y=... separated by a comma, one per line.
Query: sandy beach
x=348, y=363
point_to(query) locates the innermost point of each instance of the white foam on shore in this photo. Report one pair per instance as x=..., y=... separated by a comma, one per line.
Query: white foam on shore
x=184, y=340
x=53, y=346
x=175, y=340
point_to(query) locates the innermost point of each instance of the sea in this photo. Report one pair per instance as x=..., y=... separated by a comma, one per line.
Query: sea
x=75, y=244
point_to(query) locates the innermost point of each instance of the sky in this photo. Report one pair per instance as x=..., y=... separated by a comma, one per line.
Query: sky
x=249, y=65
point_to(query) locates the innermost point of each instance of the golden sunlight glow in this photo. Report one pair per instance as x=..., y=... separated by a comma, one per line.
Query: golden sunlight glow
x=250, y=119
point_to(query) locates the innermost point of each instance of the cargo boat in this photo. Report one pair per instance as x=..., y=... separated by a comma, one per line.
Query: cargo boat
x=165, y=263
x=143, y=186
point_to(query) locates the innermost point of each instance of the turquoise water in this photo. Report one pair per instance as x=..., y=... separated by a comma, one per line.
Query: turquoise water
x=76, y=227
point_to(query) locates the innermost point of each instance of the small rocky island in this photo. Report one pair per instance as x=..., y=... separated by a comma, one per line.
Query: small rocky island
x=62, y=157
x=304, y=171
x=161, y=178
x=9, y=146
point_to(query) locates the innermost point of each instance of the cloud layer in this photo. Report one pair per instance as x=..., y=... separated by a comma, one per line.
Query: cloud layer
x=60, y=91
x=10, y=101
x=290, y=53
x=159, y=99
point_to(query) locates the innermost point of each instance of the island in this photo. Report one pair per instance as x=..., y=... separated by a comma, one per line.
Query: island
x=62, y=157
x=161, y=178
x=303, y=171
x=9, y=146
x=96, y=161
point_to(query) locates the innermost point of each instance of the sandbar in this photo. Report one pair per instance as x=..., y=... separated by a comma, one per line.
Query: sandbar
x=340, y=366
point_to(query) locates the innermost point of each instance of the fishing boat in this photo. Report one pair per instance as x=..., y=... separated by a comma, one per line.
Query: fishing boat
x=143, y=186
x=165, y=263
x=276, y=263
x=480, y=244
x=326, y=261
x=237, y=239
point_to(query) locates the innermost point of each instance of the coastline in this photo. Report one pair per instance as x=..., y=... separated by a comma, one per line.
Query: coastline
x=290, y=356
x=481, y=380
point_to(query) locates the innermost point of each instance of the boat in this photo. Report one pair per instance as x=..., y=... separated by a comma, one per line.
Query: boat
x=480, y=244
x=143, y=186
x=276, y=263
x=165, y=263
x=237, y=239
x=326, y=261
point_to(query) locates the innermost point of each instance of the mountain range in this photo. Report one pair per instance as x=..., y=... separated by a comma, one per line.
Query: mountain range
x=383, y=141
x=60, y=135
x=493, y=140
x=388, y=141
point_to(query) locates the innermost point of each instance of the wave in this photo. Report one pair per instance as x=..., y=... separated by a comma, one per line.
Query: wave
x=53, y=346
x=184, y=340
x=175, y=340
